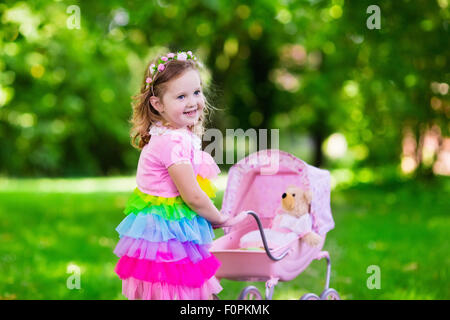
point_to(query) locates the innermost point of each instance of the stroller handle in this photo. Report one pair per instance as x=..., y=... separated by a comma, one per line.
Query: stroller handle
x=266, y=247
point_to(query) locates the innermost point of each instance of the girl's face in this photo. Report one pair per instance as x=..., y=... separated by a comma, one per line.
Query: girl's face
x=183, y=101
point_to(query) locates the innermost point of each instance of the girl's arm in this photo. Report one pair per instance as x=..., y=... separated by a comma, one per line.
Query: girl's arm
x=183, y=176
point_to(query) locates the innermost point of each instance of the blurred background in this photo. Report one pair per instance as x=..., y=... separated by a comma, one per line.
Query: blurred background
x=362, y=92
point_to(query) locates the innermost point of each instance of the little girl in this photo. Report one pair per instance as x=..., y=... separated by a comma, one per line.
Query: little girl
x=166, y=235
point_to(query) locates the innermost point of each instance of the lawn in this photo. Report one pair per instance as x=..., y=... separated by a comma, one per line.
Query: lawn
x=400, y=227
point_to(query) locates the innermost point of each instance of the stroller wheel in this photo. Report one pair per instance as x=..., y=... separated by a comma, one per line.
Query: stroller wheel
x=330, y=294
x=310, y=296
x=250, y=293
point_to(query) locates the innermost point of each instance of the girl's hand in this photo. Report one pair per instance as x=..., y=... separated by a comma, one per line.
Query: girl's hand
x=223, y=219
x=229, y=221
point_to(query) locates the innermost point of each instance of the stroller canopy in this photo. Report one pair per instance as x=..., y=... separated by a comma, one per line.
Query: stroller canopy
x=257, y=182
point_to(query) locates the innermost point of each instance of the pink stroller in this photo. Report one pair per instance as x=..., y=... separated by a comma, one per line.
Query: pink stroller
x=255, y=185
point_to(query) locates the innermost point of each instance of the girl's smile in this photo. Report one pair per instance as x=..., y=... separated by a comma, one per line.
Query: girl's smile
x=191, y=113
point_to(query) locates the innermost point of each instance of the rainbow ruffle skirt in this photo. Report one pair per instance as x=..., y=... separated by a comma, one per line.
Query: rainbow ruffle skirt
x=164, y=249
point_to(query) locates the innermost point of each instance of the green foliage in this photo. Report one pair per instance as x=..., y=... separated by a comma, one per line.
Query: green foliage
x=306, y=67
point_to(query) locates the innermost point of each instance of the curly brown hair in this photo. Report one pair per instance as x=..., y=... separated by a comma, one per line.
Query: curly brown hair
x=144, y=114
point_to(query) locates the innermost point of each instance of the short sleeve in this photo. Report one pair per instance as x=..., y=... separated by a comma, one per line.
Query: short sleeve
x=175, y=148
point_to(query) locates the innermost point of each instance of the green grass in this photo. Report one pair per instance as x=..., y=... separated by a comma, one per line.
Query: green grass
x=402, y=228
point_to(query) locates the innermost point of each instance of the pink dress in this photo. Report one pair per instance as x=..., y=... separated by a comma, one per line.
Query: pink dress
x=164, y=245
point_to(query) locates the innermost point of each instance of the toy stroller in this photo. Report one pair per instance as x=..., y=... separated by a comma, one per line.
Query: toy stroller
x=255, y=185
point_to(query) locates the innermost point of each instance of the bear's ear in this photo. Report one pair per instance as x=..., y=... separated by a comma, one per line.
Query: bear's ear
x=308, y=196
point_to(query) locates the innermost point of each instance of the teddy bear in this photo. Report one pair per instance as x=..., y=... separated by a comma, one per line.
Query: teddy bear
x=293, y=220
x=295, y=203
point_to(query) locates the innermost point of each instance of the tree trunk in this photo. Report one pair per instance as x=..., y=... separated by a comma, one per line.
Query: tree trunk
x=318, y=154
